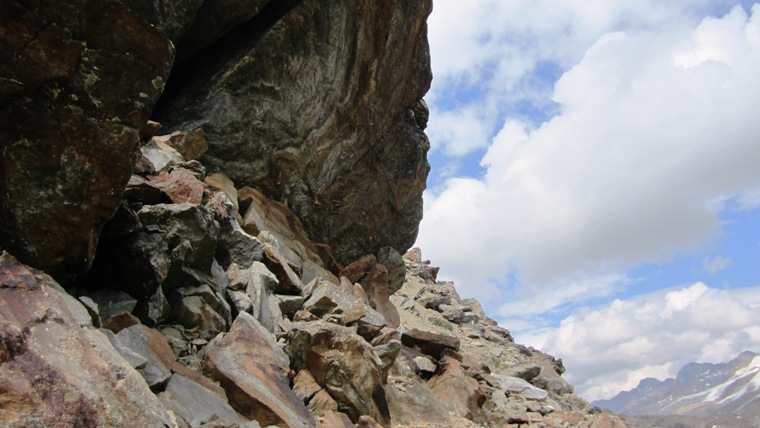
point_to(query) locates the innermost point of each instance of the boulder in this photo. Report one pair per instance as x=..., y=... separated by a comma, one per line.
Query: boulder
x=134, y=359
x=195, y=404
x=458, y=314
x=253, y=370
x=141, y=191
x=412, y=402
x=180, y=186
x=174, y=247
x=304, y=386
x=288, y=280
x=153, y=346
x=285, y=232
x=433, y=297
x=73, y=97
x=235, y=244
x=429, y=343
x=461, y=394
x=326, y=297
x=326, y=125
x=394, y=263
x=223, y=183
x=373, y=278
x=517, y=386
x=55, y=367
x=256, y=283
x=199, y=307
x=160, y=156
x=342, y=363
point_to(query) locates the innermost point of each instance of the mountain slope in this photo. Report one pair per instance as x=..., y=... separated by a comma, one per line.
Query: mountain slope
x=727, y=390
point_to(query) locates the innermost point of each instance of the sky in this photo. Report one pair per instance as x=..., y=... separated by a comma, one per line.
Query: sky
x=595, y=178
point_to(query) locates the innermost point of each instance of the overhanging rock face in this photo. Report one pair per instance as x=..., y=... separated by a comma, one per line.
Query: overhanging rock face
x=319, y=106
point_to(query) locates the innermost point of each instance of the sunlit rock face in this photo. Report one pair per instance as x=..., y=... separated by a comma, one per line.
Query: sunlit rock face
x=317, y=104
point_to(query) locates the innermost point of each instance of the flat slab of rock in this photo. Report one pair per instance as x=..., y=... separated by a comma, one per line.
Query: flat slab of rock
x=429, y=343
x=253, y=370
x=194, y=403
x=56, y=369
x=517, y=386
x=153, y=346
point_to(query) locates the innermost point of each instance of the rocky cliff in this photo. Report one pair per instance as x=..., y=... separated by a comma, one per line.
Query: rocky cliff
x=236, y=260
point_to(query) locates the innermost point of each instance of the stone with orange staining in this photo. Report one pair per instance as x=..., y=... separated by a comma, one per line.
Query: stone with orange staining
x=253, y=370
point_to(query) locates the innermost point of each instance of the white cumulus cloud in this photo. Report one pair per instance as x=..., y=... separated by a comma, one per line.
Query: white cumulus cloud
x=653, y=127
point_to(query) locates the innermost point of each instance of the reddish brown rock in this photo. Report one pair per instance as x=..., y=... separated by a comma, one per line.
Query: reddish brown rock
x=344, y=364
x=282, y=226
x=461, y=394
x=373, y=278
x=304, y=386
x=322, y=403
x=253, y=370
x=411, y=401
x=180, y=186
x=55, y=368
x=78, y=83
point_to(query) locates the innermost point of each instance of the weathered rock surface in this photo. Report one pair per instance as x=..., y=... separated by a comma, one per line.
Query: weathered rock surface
x=73, y=95
x=342, y=363
x=461, y=394
x=253, y=370
x=195, y=404
x=327, y=125
x=56, y=368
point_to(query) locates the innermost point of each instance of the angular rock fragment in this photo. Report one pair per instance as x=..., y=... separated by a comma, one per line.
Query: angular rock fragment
x=253, y=288
x=161, y=156
x=394, y=263
x=432, y=344
x=411, y=401
x=326, y=297
x=153, y=346
x=180, y=186
x=253, y=370
x=373, y=278
x=461, y=394
x=195, y=404
x=515, y=385
x=190, y=145
x=344, y=364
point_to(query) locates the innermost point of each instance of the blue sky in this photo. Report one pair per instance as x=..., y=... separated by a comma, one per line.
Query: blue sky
x=595, y=179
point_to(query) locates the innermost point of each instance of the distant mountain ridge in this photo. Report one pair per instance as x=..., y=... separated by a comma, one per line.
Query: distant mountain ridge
x=730, y=391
